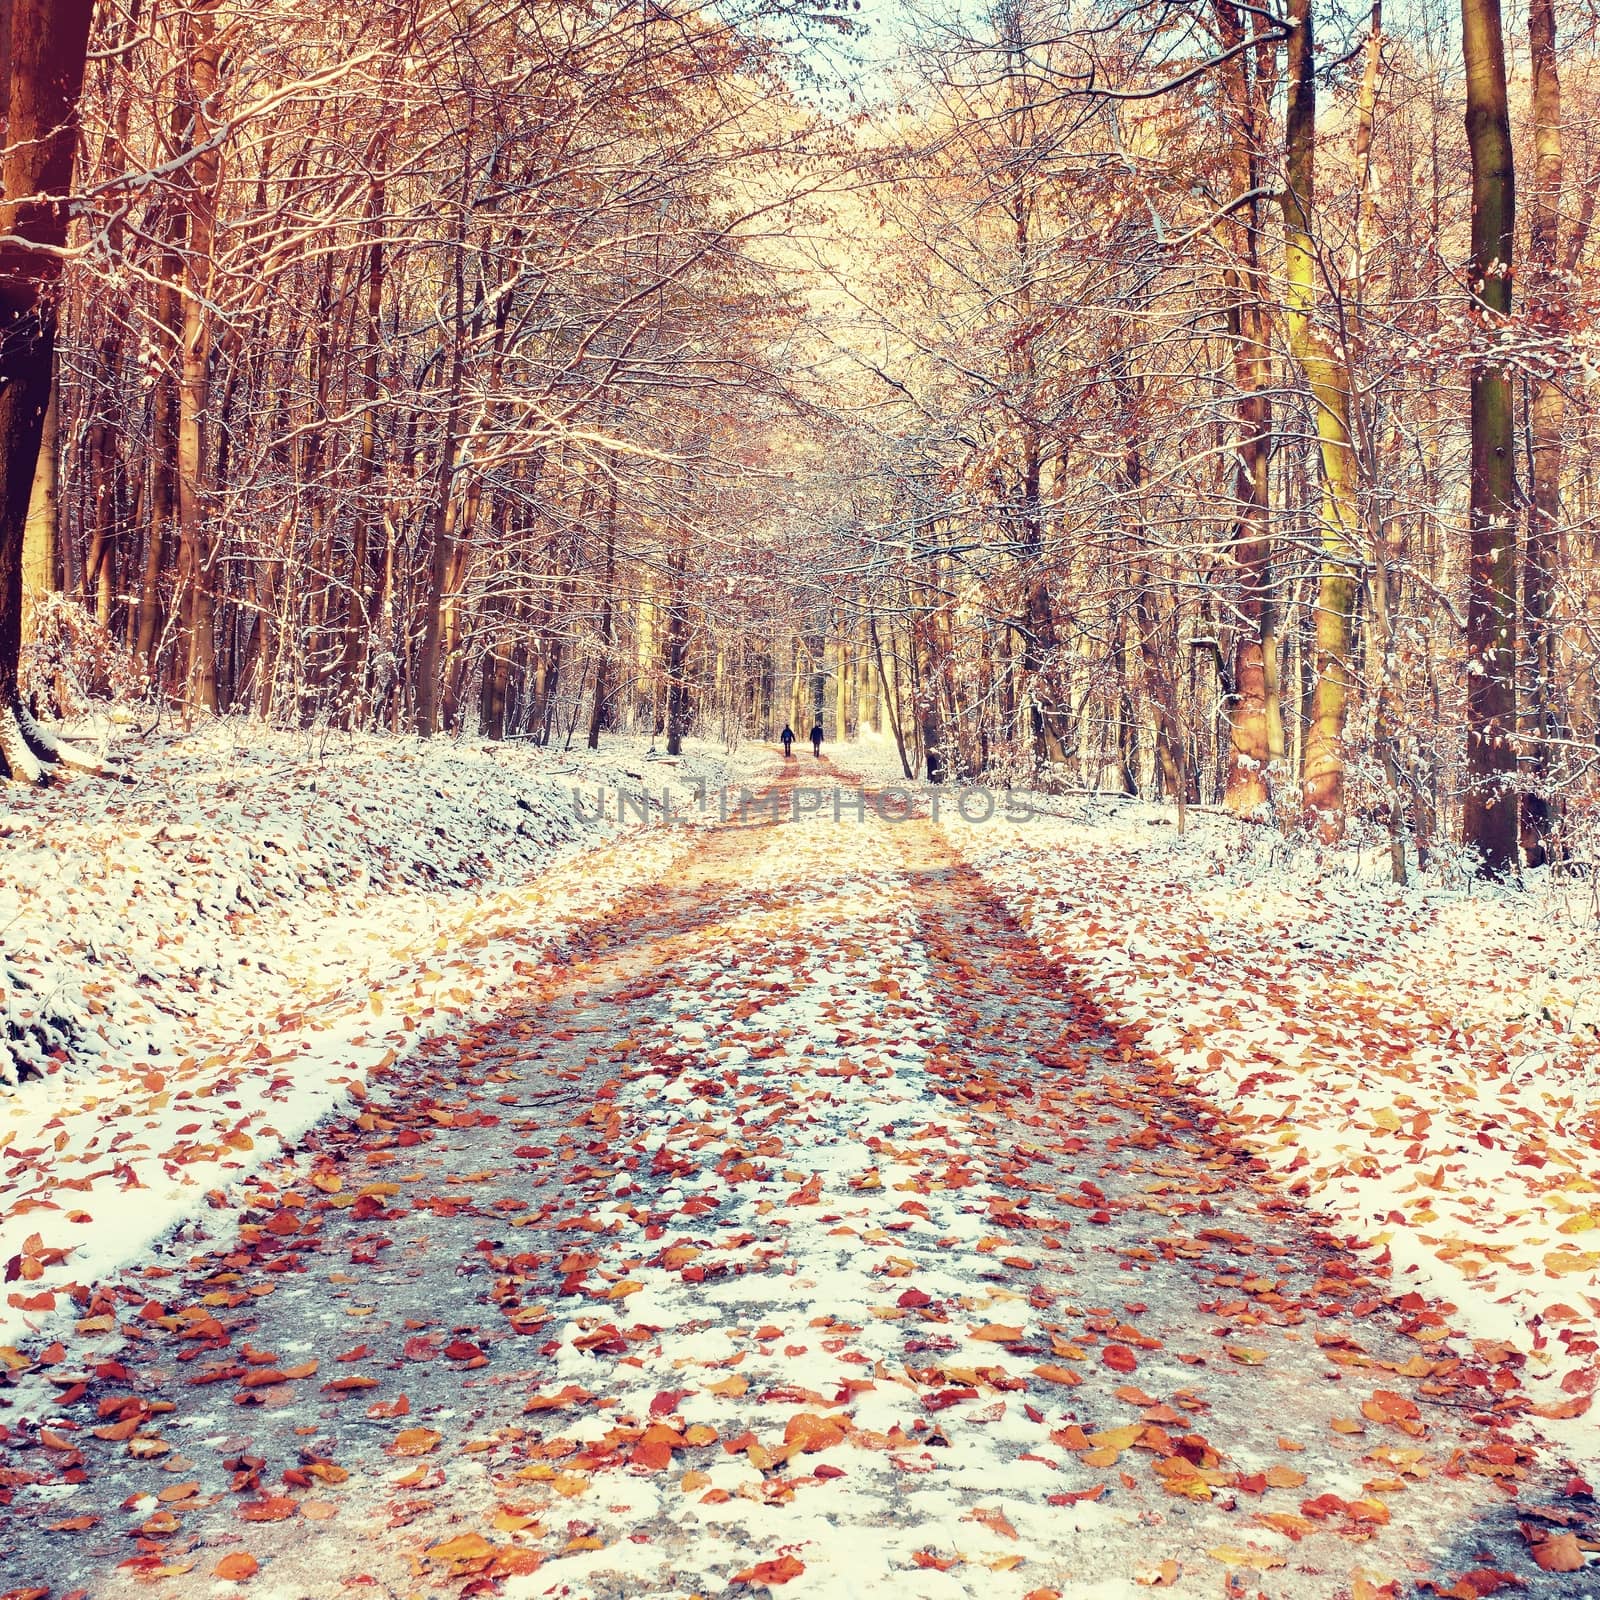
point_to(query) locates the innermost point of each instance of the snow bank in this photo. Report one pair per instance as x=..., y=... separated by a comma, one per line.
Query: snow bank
x=198, y=967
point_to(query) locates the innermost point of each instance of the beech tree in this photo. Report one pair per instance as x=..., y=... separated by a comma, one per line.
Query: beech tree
x=1490, y=820
x=43, y=45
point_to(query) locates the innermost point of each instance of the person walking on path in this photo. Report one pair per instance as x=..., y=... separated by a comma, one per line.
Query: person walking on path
x=788, y=740
x=816, y=740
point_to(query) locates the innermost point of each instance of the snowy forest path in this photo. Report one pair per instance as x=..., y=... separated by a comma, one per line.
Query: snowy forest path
x=802, y=1228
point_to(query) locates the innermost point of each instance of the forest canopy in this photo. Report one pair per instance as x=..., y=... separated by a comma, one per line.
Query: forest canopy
x=1184, y=399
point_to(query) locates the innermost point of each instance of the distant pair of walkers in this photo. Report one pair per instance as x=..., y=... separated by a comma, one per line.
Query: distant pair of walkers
x=788, y=740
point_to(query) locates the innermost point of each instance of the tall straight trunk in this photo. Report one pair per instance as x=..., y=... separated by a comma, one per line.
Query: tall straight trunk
x=1386, y=719
x=1490, y=820
x=194, y=531
x=1547, y=293
x=108, y=488
x=162, y=451
x=452, y=639
x=429, y=664
x=1127, y=720
x=601, y=709
x=925, y=686
x=842, y=678
x=868, y=715
x=162, y=431
x=41, y=539
x=1158, y=633
x=1040, y=643
x=1250, y=707
x=796, y=692
x=890, y=701
x=43, y=72
x=677, y=651
x=1158, y=648
x=1322, y=777
x=499, y=620
x=361, y=597
x=817, y=652
x=493, y=693
x=1366, y=177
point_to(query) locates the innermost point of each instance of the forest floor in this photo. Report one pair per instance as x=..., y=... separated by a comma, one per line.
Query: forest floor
x=810, y=1225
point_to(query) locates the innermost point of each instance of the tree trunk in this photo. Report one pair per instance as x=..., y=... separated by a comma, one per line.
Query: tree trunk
x=890, y=701
x=677, y=651
x=429, y=665
x=1490, y=821
x=194, y=533
x=600, y=712
x=44, y=77
x=1322, y=779
x=1250, y=707
x=362, y=597
x=1550, y=299
x=41, y=539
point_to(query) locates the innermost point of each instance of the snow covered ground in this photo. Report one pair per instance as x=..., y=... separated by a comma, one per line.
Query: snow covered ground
x=198, y=966
x=1420, y=1065
x=806, y=1231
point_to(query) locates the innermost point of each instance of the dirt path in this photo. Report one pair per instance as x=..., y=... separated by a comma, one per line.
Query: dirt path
x=806, y=1229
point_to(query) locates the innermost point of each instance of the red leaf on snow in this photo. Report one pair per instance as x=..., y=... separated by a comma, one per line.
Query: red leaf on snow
x=771, y=1573
x=1073, y=1496
x=272, y=1508
x=1474, y=1585
x=1558, y=1552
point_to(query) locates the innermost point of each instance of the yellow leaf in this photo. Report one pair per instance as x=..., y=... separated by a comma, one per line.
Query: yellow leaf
x=414, y=1442
x=1559, y=1261
x=1052, y=1373
x=507, y=1521
x=1118, y=1438
x=469, y=1552
x=1240, y=1556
